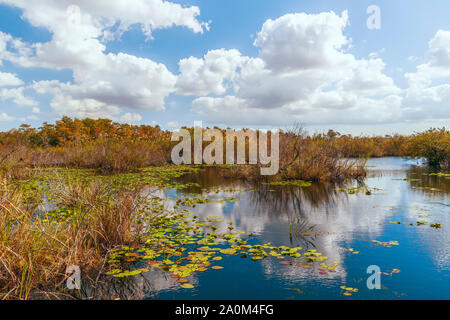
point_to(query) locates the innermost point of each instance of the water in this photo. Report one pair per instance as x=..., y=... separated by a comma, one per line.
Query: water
x=341, y=221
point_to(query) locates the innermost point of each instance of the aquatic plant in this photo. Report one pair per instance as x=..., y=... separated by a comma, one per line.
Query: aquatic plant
x=297, y=183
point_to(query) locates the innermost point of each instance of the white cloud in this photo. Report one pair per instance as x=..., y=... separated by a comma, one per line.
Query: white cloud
x=97, y=17
x=302, y=41
x=207, y=75
x=5, y=117
x=65, y=104
x=4, y=39
x=17, y=96
x=131, y=118
x=428, y=95
x=304, y=71
x=437, y=63
x=304, y=74
x=173, y=125
x=118, y=81
x=9, y=79
x=103, y=83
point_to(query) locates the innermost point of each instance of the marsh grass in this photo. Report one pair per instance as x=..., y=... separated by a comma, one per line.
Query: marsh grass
x=107, y=155
x=36, y=246
x=310, y=158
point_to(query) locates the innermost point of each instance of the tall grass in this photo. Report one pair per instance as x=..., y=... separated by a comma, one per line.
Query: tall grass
x=313, y=158
x=433, y=145
x=107, y=155
x=36, y=247
x=111, y=147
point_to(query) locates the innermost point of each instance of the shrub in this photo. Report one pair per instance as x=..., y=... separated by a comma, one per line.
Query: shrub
x=433, y=145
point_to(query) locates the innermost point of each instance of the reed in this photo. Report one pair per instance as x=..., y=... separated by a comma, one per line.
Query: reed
x=37, y=245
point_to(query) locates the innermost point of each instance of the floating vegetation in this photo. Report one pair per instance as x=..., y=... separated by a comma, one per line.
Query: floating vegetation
x=386, y=244
x=362, y=189
x=37, y=188
x=226, y=199
x=329, y=268
x=352, y=250
x=181, y=244
x=441, y=174
x=192, y=201
x=426, y=188
x=390, y=273
x=405, y=223
x=217, y=267
x=347, y=294
x=297, y=183
x=348, y=291
x=418, y=223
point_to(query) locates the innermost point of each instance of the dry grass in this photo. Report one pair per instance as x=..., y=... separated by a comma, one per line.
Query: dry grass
x=107, y=155
x=35, y=252
x=313, y=158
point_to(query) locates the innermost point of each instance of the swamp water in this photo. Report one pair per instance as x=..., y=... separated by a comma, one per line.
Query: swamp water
x=398, y=219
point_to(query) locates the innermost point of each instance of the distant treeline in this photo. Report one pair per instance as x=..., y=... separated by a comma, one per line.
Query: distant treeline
x=112, y=146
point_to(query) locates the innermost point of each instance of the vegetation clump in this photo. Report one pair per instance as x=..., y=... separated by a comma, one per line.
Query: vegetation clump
x=433, y=145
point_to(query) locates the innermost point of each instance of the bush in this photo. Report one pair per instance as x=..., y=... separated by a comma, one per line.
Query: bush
x=433, y=145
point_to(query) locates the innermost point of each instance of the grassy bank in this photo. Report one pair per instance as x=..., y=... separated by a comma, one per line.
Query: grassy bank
x=37, y=244
x=52, y=219
x=113, y=147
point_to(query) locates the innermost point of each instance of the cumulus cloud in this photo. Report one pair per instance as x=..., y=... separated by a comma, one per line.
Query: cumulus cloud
x=302, y=41
x=428, y=95
x=173, y=125
x=120, y=80
x=103, y=82
x=207, y=75
x=437, y=63
x=100, y=15
x=131, y=117
x=304, y=73
x=5, y=117
x=9, y=79
x=17, y=96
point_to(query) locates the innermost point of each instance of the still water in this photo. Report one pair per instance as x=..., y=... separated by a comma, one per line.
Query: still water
x=340, y=224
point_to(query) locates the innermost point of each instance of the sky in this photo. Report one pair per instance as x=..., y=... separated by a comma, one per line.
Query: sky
x=355, y=66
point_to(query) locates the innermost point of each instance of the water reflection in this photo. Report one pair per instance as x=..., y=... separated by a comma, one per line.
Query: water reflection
x=330, y=220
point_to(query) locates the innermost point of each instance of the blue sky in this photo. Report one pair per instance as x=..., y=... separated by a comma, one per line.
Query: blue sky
x=401, y=45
